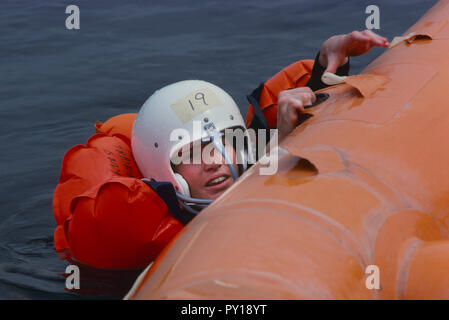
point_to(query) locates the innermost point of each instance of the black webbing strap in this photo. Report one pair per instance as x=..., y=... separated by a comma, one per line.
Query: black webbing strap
x=166, y=192
x=258, y=121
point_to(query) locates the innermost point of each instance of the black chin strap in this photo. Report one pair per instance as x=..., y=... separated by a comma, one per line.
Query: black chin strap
x=167, y=193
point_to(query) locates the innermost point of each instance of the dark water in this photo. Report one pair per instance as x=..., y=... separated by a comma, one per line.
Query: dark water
x=56, y=83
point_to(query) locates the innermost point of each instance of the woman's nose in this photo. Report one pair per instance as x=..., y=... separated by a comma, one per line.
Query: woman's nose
x=213, y=160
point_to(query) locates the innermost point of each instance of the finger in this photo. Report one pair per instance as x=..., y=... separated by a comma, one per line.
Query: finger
x=358, y=36
x=370, y=33
x=312, y=98
x=308, y=103
x=306, y=96
x=371, y=41
x=377, y=39
x=369, y=36
x=289, y=105
x=332, y=65
x=297, y=104
x=308, y=100
x=304, y=90
x=299, y=91
x=381, y=42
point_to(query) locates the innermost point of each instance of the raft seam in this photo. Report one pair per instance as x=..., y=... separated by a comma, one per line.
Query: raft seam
x=404, y=268
x=240, y=273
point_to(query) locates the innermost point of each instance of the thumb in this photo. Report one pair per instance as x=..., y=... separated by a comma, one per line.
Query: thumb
x=332, y=65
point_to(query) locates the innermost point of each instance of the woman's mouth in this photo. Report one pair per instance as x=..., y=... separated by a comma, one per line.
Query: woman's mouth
x=217, y=181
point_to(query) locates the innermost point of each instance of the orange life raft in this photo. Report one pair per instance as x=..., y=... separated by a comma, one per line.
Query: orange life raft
x=365, y=181
x=107, y=217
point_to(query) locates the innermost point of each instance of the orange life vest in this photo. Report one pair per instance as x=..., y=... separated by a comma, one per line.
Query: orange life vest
x=106, y=216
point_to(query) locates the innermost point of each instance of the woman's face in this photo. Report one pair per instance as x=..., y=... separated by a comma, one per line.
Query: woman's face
x=210, y=178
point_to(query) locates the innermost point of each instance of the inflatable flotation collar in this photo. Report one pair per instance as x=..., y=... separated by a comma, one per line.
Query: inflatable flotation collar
x=107, y=217
x=293, y=76
x=120, y=124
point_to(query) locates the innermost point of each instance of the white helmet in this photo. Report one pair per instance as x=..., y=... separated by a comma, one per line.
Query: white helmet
x=157, y=134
